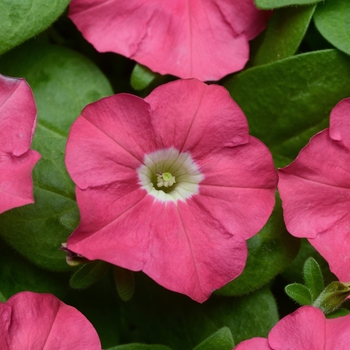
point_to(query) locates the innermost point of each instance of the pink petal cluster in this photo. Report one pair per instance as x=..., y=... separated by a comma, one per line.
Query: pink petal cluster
x=315, y=192
x=189, y=237
x=189, y=39
x=17, y=126
x=41, y=321
x=305, y=329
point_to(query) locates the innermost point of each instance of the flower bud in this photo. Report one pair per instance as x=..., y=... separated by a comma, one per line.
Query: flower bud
x=332, y=297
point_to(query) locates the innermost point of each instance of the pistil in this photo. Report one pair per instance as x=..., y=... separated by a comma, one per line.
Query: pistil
x=165, y=179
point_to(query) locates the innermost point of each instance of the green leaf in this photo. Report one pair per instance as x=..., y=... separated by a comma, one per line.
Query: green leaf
x=22, y=19
x=165, y=317
x=300, y=293
x=142, y=77
x=63, y=82
x=70, y=219
x=124, y=280
x=313, y=277
x=220, y=340
x=17, y=274
x=288, y=101
x=271, y=4
x=269, y=252
x=101, y=307
x=332, y=19
x=285, y=31
x=88, y=274
x=139, y=347
x=338, y=313
x=294, y=271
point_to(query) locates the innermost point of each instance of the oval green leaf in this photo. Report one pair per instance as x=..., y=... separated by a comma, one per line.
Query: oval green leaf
x=299, y=293
x=332, y=19
x=88, y=274
x=285, y=31
x=272, y=4
x=220, y=340
x=288, y=101
x=313, y=277
x=22, y=19
x=63, y=83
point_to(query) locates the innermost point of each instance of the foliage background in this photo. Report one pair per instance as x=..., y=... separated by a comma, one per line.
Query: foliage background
x=298, y=70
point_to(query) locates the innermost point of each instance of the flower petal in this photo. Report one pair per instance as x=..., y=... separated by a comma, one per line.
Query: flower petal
x=17, y=115
x=239, y=187
x=338, y=333
x=41, y=321
x=254, y=344
x=108, y=141
x=339, y=129
x=315, y=188
x=17, y=125
x=184, y=38
x=207, y=121
x=16, y=184
x=304, y=329
x=117, y=231
x=180, y=247
x=193, y=254
x=334, y=246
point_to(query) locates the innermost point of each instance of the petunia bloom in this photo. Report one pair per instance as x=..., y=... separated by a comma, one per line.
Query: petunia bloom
x=172, y=185
x=41, y=321
x=315, y=192
x=189, y=39
x=17, y=126
x=305, y=329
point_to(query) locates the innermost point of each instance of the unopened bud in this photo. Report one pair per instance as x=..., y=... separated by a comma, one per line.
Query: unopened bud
x=332, y=297
x=73, y=259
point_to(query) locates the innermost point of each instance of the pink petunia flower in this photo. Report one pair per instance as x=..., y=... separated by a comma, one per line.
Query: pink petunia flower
x=172, y=185
x=17, y=126
x=315, y=192
x=41, y=321
x=305, y=329
x=189, y=39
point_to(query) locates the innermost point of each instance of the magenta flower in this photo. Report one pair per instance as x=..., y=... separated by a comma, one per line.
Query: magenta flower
x=17, y=126
x=201, y=39
x=171, y=185
x=305, y=329
x=315, y=192
x=41, y=321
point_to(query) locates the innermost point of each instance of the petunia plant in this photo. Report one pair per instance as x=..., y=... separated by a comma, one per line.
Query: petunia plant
x=174, y=174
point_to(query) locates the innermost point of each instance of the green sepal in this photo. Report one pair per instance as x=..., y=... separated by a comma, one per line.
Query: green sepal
x=142, y=77
x=300, y=293
x=313, y=277
x=125, y=283
x=220, y=340
x=332, y=297
x=88, y=274
x=338, y=313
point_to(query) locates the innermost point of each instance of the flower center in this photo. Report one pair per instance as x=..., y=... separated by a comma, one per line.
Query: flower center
x=165, y=179
x=169, y=175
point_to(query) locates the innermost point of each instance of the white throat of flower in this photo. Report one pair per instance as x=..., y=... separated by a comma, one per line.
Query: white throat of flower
x=169, y=175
